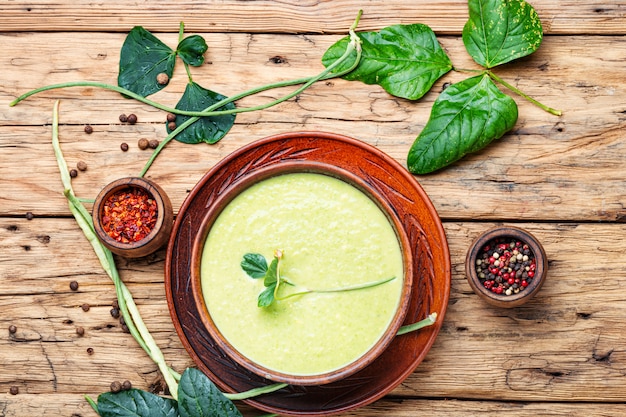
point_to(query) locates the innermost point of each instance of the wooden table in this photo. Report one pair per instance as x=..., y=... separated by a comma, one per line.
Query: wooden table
x=562, y=178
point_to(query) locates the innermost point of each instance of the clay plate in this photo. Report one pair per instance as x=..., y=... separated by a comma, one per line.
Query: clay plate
x=431, y=266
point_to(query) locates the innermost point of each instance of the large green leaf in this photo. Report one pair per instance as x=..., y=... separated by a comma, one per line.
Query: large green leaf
x=142, y=58
x=199, y=397
x=405, y=60
x=207, y=129
x=499, y=31
x=135, y=403
x=191, y=50
x=465, y=118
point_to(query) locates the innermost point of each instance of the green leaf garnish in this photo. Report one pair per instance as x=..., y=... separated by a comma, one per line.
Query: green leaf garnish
x=142, y=58
x=405, y=60
x=500, y=31
x=253, y=264
x=191, y=50
x=466, y=117
x=136, y=403
x=199, y=397
x=206, y=129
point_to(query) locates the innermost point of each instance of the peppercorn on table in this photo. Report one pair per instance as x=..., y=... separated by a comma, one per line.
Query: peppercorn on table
x=561, y=177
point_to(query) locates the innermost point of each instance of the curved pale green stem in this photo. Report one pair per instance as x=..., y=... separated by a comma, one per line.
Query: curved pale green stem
x=255, y=392
x=522, y=94
x=431, y=319
x=340, y=289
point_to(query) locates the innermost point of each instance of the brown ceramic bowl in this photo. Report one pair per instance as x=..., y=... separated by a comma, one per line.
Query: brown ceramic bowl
x=520, y=260
x=411, y=212
x=159, y=234
x=297, y=167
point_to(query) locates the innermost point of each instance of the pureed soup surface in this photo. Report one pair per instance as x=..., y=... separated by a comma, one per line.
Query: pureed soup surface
x=332, y=235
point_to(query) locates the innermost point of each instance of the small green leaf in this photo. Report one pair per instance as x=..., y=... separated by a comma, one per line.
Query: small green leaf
x=191, y=50
x=465, y=118
x=271, y=275
x=254, y=264
x=199, y=397
x=207, y=129
x=135, y=403
x=142, y=58
x=405, y=60
x=266, y=297
x=499, y=31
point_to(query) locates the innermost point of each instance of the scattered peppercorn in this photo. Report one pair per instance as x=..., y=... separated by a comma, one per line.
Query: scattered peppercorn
x=29, y=215
x=123, y=118
x=12, y=329
x=73, y=173
x=88, y=129
x=143, y=143
x=153, y=143
x=85, y=307
x=506, y=267
x=81, y=165
x=90, y=351
x=115, y=313
x=116, y=386
x=74, y=285
x=126, y=385
x=171, y=117
x=171, y=126
x=132, y=119
x=124, y=146
x=115, y=304
x=129, y=215
x=163, y=78
x=80, y=331
x=14, y=390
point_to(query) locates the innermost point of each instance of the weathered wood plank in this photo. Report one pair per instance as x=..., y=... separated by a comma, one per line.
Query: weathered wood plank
x=311, y=16
x=562, y=346
x=546, y=168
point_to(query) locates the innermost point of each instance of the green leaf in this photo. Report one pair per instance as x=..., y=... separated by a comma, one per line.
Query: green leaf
x=135, y=403
x=207, y=129
x=271, y=275
x=405, y=60
x=499, y=31
x=254, y=264
x=191, y=50
x=465, y=118
x=199, y=397
x=142, y=58
x=266, y=297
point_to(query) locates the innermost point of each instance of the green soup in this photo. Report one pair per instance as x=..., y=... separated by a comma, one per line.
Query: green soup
x=332, y=235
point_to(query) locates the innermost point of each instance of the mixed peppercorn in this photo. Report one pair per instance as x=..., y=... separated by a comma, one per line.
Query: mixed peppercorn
x=129, y=215
x=505, y=266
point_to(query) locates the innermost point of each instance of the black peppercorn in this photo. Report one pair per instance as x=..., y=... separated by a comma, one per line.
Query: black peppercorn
x=171, y=126
x=126, y=385
x=73, y=173
x=132, y=119
x=116, y=386
x=29, y=215
x=85, y=307
x=123, y=118
x=124, y=146
x=80, y=331
x=74, y=285
x=14, y=390
x=88, y=129
x=171, y=117
x=153, y=144
x=90, y=351
x=115, y=313
x=12, y=329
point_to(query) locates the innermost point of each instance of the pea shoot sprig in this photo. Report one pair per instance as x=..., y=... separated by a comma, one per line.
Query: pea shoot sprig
x=256, y=266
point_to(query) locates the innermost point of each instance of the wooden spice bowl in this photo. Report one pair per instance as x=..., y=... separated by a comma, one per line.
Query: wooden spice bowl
x=504, y=235
x=157, y=236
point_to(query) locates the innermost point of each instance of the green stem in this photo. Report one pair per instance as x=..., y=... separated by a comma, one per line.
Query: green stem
x=340, y=289
x=128, y=308
x=519, y=92
x=431, y=319
x=254, y=392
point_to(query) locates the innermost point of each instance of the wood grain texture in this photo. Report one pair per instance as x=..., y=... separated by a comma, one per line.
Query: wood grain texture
x=561, y=178
x=291, y=16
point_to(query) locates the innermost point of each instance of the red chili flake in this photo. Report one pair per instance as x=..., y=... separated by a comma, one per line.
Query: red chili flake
x=129, y=215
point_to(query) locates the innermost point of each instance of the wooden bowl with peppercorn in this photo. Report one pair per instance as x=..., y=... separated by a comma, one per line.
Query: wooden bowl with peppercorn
x=133, y=217
x=506, y=266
